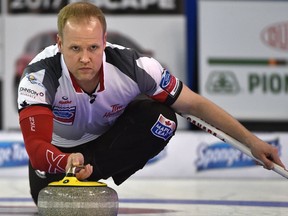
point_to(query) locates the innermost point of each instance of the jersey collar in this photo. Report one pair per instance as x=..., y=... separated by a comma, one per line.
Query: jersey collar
x=99, y=88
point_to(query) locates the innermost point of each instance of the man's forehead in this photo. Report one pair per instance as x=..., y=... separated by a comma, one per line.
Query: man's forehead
x=91, y=25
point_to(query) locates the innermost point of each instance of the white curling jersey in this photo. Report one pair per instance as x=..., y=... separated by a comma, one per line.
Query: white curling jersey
x=79, y=117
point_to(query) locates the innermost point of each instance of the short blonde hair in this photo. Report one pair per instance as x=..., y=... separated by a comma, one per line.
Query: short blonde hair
x=80, y=11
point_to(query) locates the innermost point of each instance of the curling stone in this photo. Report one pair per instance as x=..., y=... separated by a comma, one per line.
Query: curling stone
x=70, y=196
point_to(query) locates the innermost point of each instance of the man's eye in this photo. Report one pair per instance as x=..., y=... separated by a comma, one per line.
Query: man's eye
x=93, y=48
x=75, y=48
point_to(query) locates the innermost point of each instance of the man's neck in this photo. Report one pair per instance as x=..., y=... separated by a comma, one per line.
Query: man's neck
x=89, y=86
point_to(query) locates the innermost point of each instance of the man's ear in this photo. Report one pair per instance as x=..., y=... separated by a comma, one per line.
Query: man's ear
x=59, y=42
x=105, y=39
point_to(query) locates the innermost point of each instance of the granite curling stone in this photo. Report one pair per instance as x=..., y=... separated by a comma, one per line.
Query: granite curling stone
x=71, y=197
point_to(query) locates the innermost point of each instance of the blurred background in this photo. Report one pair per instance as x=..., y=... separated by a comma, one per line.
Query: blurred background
x=232, y=52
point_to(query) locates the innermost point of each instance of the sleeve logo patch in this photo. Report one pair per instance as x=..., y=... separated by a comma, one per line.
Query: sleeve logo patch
x=54, y=162
x=169, y=83
x=163, y=128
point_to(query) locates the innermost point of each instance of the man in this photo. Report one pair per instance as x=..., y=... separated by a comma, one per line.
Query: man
x=79, y=104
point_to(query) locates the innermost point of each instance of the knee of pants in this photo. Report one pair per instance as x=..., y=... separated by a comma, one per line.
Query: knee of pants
x=159, y=118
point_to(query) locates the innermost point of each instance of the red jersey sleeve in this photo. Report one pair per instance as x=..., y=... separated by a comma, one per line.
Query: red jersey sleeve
x=36, y=124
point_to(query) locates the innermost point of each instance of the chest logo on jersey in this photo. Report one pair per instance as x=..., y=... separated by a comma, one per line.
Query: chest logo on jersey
x=65, y=100
x=169, y=83
x=163, y=128
x=64, y=115
x=115, y=110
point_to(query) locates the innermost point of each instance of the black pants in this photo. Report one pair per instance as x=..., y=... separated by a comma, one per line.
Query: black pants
x=123, y=149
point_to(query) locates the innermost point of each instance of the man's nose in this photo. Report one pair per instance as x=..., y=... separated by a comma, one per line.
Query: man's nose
x=85, y=57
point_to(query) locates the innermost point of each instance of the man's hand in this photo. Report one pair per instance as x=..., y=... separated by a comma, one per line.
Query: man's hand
x=76, y=160
x=84, y=173
x=267, y=154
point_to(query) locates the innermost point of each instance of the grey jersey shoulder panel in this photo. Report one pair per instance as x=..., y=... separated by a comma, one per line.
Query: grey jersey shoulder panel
x=125, y=61
x=53, y=71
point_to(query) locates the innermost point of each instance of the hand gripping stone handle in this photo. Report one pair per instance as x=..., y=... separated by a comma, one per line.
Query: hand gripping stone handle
x=71, y=172
x=230, y=140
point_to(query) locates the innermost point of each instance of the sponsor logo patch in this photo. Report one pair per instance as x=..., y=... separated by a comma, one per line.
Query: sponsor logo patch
x=169, y=83
x=163, y=128
x=32, y=79
x=64, y=115
x=30, y=92
x=65, y=100
x=54, y=162
x=116, y=109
